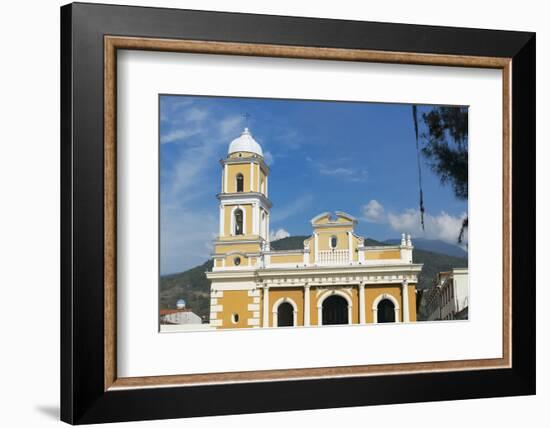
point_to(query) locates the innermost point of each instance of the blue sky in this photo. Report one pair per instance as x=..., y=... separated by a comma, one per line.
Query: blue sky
x=324, y=156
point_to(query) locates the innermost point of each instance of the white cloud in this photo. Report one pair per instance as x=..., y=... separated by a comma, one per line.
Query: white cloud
x=186, y=238
x=195, y=115
x=268, y=157
x=346, y=173
x=443, y=226
x=279, y=234
x=177, y=135
x=231, y=127
x=374, y=212
x=183, y=102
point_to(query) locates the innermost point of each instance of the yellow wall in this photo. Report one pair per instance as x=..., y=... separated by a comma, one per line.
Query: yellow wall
x=232, y=171
x=247, y=209
x=323, y=220
x=324, y=239
x=342, y=244
x=342, y=220
x=315, y=297
x=371, y=293
x=412, y=302
x=230, y=260
x=235, y=301
x=290, y=258
x=244, y=169
x=296, y=294
x=383, y=254
x=245, y=248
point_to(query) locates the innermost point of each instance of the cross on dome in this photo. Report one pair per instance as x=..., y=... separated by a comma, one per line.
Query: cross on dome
x=245, y=143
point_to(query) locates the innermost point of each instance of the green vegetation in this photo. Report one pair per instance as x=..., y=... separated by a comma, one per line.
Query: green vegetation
x=190, y=285
x=193, y=286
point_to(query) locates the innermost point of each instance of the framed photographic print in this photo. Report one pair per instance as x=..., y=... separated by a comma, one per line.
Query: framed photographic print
x=265, y=213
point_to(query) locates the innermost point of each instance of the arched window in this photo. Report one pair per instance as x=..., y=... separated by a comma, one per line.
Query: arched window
x=240, y=183
x=386, y=311
x=333, y=242
x=239, y=222
x=285, y=315
x=335, y=310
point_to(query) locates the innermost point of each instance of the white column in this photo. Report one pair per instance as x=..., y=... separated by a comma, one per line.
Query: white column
x=266, y=306
x=362, y=317
x=255, y=216
x=350, y=252
x=405, y=294
x=222, y=219
x=267, y=226
x=251, y=176
x=266, y=186
x=225, y=178
x=316, y=247
x=306, y=305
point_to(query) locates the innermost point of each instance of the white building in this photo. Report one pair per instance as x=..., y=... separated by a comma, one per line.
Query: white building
x=448, y=300
x=179, y=316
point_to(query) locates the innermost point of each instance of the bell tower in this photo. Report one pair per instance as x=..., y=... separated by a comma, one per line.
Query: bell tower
x=244, y=205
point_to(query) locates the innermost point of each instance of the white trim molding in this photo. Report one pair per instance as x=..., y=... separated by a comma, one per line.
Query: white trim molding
x=405, y=297
x=275, y=310
x=265, y=298
x=385, y=296
x=251, y=176
x=328, y=294
x=362, y=309
x=307, y=305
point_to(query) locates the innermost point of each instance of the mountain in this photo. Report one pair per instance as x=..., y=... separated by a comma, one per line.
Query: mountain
x=190, y=285
x=193, y=286
x=434, y=245
x=289, y=243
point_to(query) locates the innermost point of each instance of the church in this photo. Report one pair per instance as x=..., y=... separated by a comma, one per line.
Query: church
x=333, y=278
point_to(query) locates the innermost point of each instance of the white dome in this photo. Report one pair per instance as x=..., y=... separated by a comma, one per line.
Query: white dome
x=245, y=143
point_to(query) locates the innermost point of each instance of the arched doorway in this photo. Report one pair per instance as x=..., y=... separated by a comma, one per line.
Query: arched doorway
x=285, y=315
x=335, y=310
x=386, y=311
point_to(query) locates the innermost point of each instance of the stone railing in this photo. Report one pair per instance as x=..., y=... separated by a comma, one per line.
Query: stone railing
x=333, y=257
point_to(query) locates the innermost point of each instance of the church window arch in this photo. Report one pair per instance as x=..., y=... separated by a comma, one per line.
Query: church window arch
x=385, y=300
x=285, y=313
x=239, y=182
x=238, y=221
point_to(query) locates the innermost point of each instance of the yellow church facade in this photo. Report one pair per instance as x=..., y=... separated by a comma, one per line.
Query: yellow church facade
x=332, y=278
